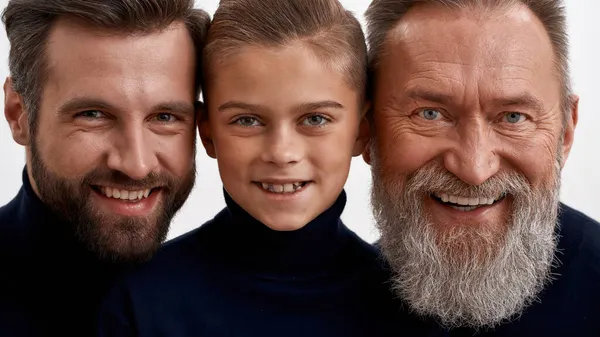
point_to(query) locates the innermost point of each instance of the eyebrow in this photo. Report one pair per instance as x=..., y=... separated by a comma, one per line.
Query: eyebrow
x=177, y=107
x=241, y=105
x=94, y=103
x=428, y=95
x=521, y=100
x=300, y=107
x=311, y=106
x=79, y=103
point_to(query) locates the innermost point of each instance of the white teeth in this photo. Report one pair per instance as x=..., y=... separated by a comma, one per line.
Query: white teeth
x=464, y=209
x=282, y=188
x=125, y=194
x=465, y=203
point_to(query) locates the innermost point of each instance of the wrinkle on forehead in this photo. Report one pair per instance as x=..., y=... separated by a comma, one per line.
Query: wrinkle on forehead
x=479, y=30
x=461, y=53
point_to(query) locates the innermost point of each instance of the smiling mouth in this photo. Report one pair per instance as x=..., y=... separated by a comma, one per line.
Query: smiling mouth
x=287, y=188
x=466, y=204
x=124, y=194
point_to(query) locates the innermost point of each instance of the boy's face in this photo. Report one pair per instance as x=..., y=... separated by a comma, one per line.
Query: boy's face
x=284, y=128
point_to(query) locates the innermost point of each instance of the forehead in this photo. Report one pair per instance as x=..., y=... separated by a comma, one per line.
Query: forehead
x=280, y=75
x=468, y=47
x=86, y=61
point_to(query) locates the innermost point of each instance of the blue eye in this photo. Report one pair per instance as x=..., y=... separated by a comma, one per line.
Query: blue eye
x=314, y=120
x=429, y=114
x=165, y=117
x=91, y=114
x=514, y=117
x=246, y=121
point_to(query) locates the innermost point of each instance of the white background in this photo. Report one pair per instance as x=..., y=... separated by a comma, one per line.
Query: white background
x=581, y=177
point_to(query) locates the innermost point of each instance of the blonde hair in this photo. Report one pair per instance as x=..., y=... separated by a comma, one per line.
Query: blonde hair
x=333, y=33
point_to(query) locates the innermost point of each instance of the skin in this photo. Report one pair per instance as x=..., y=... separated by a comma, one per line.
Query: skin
x=287, y=118
x=114, y=106
x=477, y=93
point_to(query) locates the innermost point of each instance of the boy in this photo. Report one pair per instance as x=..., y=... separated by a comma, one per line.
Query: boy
x=285, y=106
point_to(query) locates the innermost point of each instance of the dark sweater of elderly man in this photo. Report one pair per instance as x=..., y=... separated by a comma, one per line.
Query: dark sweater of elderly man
x=473, y=120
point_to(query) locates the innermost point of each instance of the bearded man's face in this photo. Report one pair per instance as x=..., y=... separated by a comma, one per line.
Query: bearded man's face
x=466, y=157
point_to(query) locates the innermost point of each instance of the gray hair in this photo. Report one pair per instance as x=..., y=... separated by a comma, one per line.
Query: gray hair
x=383, y=15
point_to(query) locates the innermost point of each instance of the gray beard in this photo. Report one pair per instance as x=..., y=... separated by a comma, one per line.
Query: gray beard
x=466, y=276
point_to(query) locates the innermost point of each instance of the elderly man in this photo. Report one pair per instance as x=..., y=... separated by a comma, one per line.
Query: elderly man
x=102, y=96
x=473, y=120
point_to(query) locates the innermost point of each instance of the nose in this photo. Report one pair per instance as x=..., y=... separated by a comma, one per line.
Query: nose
x=283, y=147
x=132, y=153
x=473, y=158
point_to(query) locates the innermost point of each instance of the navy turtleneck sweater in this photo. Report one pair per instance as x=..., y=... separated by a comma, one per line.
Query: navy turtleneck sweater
x=50, y=285
x=233, y=276
x=569, y=306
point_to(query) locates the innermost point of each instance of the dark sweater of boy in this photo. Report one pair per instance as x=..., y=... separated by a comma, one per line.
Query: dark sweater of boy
x=50, y=284
x=234, y=276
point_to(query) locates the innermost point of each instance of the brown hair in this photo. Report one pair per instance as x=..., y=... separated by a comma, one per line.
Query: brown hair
x=383, y=15
x=332, y=32
x=28, y=23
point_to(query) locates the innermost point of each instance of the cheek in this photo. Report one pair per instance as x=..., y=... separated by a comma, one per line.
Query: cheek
x=404, y=152
x=71, y=155
x=235, y=155
x=534, y=157
x=331, y=155
x=177, y=152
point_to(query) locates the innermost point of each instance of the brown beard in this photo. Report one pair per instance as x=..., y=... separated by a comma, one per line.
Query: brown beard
x=473, y=276
x=111, y=237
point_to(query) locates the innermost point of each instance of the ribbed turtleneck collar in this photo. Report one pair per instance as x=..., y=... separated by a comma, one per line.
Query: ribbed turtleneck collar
x=39, y=226
x=262, y=249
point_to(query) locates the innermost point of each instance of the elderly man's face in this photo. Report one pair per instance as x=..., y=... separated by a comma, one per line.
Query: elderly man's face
x=466, y=160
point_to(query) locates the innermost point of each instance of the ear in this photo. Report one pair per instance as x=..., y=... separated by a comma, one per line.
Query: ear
x=366, y=154
x=569, y=130
x=204, y=130
x=16, y=114
x=362, y=139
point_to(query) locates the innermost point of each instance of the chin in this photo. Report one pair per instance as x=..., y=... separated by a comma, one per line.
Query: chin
x=286, y=227
x=286, y=223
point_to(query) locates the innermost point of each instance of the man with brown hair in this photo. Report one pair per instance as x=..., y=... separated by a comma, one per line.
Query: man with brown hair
x=473, y=119
x=102, y=95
